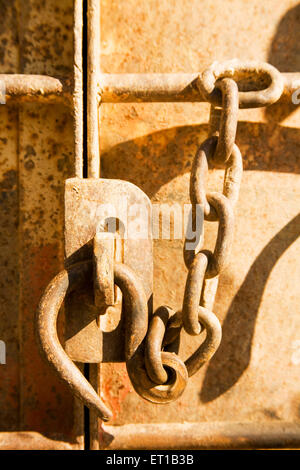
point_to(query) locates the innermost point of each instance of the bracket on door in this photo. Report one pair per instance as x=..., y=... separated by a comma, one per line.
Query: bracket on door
x=112, y=204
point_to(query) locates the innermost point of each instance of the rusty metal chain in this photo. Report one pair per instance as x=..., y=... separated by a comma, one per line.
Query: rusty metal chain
x=219, y=86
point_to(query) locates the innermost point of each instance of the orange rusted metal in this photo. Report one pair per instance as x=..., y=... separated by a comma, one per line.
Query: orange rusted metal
x=36, y=155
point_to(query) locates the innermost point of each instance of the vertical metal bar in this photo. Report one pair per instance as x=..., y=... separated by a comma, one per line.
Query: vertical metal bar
x=93, y=39
x=93, y=155
x=78, y=164
x=78, y=89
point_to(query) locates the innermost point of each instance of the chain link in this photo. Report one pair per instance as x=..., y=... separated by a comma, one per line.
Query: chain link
x=256, y=72
x=228, y=121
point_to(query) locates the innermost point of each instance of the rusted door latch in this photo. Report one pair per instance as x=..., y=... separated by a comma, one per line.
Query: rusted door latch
x=101, y=253
x=97, y=247
x=98, y=226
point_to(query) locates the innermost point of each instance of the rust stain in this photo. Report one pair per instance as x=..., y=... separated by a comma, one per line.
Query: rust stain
x=47, y=405
x=115, y=391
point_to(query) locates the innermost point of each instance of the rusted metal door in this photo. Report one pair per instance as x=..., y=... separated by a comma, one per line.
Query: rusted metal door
x=247, y=395
x=37, y=154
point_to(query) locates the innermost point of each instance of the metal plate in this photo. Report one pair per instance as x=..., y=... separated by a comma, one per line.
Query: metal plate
x=88, y=203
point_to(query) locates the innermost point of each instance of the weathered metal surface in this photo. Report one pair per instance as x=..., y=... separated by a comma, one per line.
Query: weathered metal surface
x=246, y=380
x=9, y=256
x=197, y=436
x=37, y=158
x=166, y=87
x=46, y=159
x=95, y=202
x=9, y=277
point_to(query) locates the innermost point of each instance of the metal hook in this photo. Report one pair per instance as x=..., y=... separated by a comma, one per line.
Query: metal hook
x=47, y=312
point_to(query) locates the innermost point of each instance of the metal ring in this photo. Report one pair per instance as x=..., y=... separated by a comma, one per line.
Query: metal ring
x=237, y=69
x=167, y=392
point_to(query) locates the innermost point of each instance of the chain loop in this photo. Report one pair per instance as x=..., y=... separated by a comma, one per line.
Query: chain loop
x=198, y=176
x=161, y=327
x=154, y=341
x=207, y=264
x=211, y=343
x=166, y=392
x=233, y=176
x=192, y=293
x=232, y=181
x=237, y=70
x=136, y=325
x=219, y=258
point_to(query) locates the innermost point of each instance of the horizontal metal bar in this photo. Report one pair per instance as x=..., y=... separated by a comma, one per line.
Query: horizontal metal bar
x=165, y=87
x=27, y=88
x=119, y=88
x=190, y=436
